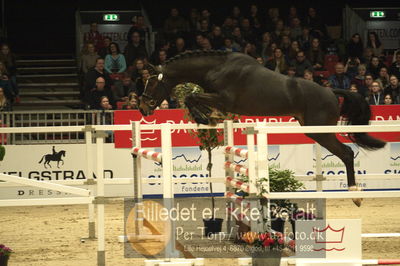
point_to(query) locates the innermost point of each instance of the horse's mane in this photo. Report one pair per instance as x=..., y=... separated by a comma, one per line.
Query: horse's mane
x=196, y=53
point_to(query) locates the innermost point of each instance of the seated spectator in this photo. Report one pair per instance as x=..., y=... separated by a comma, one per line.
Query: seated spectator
x=278, y=62
x=194, y=17
x=204, y=27
x=376, y=95
x=115, y=61
x=198, y=44
x=388, y=99
x=105, y=50
x=367, y=56
x=374, y=66
x=294, y=48
x=91, y=77
x=96, y=95
x=105, y=103
x=227, y=27
x=175, y=25
x=351, y=67
x=5, y=104
x=134, y=49
x=132, y=102
x=305, y=39
x=291, y=72
x=277, y=33
x=260, y=60
x=88, y=58
x=264, y=45
x=206, y=44
x=160, y=60
x=339, y=80
x=250, y=49
x=238, y=40
x=355, y=47
x=359, y=80
x=393, y=89
x=309, y=75
x=354, y=88
x=375, y=44
x=136, y=69
x=123, y=87
x=316, y=24
x=296, y=31
x=141, y=81
x=383, y=77
x=178, y=48
x=246, y=30
x=285, y=44
x=216, y=38
x=315, y=55
x=228, y=46
x=9, y=60
x=301, y=64
x=94, y=36
x=395, y=67
x=368, y=84
x=164, y=105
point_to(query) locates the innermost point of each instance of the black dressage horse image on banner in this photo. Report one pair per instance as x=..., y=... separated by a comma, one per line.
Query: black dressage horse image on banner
x=237, y=83
x=55, y=157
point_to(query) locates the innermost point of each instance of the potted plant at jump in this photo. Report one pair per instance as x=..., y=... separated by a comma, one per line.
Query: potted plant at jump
x=5, y=253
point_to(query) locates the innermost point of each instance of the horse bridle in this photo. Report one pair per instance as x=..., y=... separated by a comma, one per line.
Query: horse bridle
x=151, y=102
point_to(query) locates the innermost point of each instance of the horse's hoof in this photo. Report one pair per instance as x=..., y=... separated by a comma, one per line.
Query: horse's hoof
x=356, y=201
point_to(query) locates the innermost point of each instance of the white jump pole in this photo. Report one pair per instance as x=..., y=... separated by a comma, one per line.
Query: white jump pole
x=168, y=186
x=318, y=179
x=137, y=176
x=100, y=200
x=229, y=141
x=90, y=181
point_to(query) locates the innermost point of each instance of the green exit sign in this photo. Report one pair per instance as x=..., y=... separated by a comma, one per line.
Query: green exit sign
x=111, y=17
x=377, y=14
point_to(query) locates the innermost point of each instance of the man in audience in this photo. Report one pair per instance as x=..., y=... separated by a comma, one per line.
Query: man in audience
x=395, y=68
x=134, y=49
x=99, y=92
x=91, y=78
x=339, y=80
x=123, y=88
x=301, y=64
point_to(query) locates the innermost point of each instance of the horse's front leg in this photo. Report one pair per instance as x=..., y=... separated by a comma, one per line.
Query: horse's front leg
x=200, y=106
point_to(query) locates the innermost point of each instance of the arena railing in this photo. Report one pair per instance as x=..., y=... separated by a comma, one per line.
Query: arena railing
x=52, y=118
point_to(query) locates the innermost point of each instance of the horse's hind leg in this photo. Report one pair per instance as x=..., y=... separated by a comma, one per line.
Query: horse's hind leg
x=344, y=152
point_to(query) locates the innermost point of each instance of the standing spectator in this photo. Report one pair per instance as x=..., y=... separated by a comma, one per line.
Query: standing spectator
x=5, y=104
x=105, y=50
x=316, y=24
x=355, y=47
x=305, y=39
x=139, y=25
x=278, y=62
x=296, y=31
x=315, y=55
x=123, y=87
x=359, y=80
x=9, y=60
x=175, y=25
x=339, y=80
x=374, y=66
x=301, y=64
x=374, y=43
x=89, y=57
x=134, y=49
x=94, y=36
x=179, y=47
x=383, y=77
x=216, y=38
x=376, y=96
x=5, y=82
x=115, y=62
x=91, y=77
x=393, y=89
x=395, y=67
x=99, y=91
x=132, y=102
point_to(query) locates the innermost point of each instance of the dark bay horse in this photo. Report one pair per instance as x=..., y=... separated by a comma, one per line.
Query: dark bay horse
x=236, y=83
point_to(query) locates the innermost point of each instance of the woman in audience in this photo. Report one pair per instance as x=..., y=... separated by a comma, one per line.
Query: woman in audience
x=374, y=66
x=388, y=99
x=132, y=102
x=393, y=89
x=89, y=57
x=355, y=47
x=375, y=44
x=294, y=48
x=278, y=62
x=5, y=104
x=376, y=95
x=115, y=61
x=359, y=80
x=383, y=77
x=315, y=55
x=136, y=69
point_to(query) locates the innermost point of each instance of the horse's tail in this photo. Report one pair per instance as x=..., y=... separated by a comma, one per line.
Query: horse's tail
x=358, y=112
x=42, y=159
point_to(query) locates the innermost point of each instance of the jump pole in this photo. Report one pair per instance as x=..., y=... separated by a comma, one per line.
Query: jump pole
x=90, y=181
x=229, y=141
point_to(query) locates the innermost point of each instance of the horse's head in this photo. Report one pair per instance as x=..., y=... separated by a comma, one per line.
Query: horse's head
x=62, y=152
x=155, y=92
